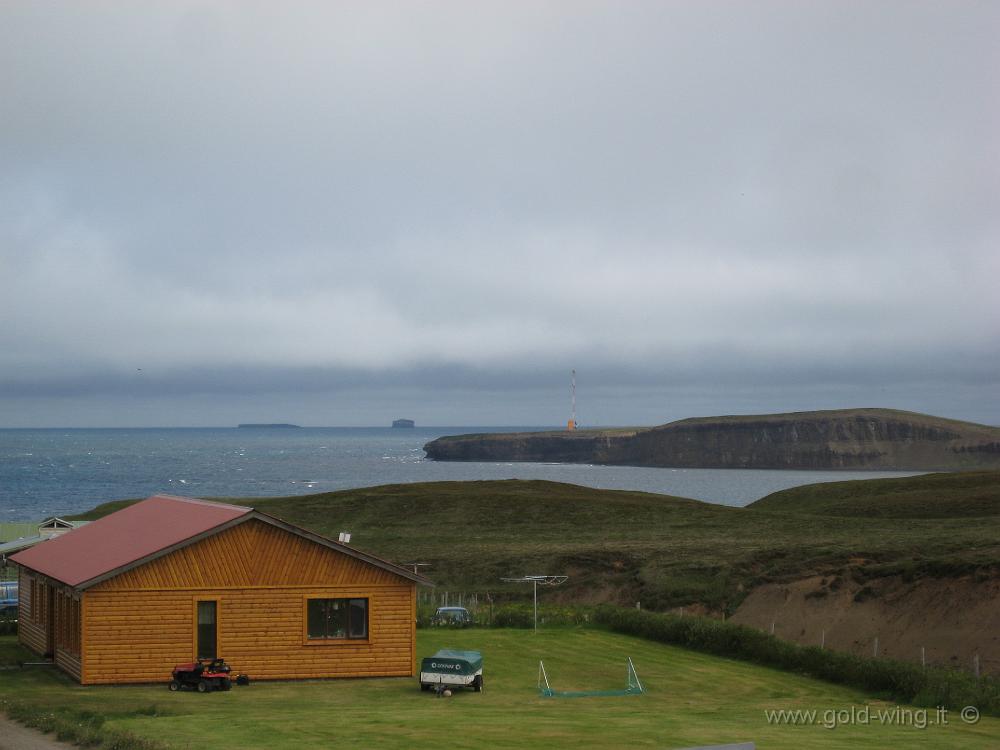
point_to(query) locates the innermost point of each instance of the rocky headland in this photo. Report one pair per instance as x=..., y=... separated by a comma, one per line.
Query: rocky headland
x=876, y=439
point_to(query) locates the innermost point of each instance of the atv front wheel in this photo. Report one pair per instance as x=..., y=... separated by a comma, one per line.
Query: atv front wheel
x=226, y=684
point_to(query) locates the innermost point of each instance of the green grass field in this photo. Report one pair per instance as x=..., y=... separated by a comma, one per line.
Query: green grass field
x=692, y=699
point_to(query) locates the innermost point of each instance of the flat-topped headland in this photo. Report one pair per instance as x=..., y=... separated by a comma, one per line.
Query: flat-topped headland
x=876, y=439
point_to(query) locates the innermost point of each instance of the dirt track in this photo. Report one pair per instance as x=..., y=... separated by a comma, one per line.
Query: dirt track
x=13, y=736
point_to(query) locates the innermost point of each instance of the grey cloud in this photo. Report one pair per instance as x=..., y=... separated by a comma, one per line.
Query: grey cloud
x=385, y=196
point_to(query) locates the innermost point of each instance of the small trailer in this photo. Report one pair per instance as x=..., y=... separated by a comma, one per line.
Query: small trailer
x=452, y=669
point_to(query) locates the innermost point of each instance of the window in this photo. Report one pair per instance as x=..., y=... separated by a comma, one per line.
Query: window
x=207, y=641
x=72, y=643
x=39, y=602
x=337, y=618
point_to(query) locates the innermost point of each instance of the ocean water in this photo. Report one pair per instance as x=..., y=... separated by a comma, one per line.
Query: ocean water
x=63, y=471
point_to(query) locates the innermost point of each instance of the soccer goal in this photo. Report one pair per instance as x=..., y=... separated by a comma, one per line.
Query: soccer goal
x=632, y=685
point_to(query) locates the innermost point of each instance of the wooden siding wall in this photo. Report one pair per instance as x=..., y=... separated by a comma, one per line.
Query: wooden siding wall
x=138, y=625
x=67, y=625
x=42, y=627
x=31, y=625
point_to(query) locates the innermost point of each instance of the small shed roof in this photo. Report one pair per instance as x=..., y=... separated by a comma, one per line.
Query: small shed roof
x=9, y=548
x=125, y=536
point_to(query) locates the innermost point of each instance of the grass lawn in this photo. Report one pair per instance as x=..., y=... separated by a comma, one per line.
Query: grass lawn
x=692, y=699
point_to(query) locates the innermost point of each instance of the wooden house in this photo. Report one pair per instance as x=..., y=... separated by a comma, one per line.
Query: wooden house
x=171, y=579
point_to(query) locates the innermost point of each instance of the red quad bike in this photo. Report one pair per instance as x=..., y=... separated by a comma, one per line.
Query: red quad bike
x=204, y=675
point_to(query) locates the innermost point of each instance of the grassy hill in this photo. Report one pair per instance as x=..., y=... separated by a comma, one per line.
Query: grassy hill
x=632, y=546
x=969, y=495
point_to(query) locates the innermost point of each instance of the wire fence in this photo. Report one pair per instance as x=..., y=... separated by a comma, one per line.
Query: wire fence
x=900, y=646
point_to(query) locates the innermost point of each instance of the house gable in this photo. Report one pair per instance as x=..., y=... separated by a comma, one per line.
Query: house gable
x=254, y=553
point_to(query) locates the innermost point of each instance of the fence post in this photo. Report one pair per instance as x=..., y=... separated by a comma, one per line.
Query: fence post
x=822, y=642
x=875, y=653
x=772, y=627
x=638, y=605
x=923, y=658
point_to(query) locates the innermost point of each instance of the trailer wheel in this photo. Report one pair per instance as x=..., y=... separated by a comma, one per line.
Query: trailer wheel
x=174, y=686
x=203, y=686
x=477, y=684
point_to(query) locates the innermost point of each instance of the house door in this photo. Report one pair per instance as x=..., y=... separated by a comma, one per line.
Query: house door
x=207, y=630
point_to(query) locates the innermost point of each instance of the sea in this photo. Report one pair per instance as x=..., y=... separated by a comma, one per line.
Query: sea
x=45, y=472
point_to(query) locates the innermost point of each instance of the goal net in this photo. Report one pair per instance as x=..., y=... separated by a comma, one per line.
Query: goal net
x=632, y=685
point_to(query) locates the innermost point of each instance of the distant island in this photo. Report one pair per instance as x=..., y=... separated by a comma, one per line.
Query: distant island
x=875, y=439
x=275, y=426
x=405, y=423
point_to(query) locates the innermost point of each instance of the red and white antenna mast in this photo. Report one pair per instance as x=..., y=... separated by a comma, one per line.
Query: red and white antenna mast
x=571, y=425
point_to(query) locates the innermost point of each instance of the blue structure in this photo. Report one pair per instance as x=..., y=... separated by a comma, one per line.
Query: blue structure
x=8, y=599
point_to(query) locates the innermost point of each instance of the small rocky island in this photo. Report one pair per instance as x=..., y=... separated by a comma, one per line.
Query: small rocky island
x=403, y=423
x=875, y=439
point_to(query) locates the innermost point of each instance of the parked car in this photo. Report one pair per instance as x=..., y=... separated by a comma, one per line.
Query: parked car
x=454, y=616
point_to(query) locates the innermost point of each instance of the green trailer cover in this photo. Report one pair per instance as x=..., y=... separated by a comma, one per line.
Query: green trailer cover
x=447, y=661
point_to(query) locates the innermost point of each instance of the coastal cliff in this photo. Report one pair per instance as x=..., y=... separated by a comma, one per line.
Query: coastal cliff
x=884, y=439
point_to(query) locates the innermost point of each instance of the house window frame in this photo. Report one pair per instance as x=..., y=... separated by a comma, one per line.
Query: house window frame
x=218, y=623
x=347, y=640
x=32, y=614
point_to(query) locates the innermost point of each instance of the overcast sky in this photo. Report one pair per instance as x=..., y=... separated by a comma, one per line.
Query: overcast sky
x=341, y=213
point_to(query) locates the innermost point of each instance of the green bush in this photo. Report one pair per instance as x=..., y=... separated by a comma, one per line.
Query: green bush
x=899, y=680
x=522, y=615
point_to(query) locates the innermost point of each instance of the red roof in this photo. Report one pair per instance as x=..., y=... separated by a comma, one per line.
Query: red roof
x=125, y=537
